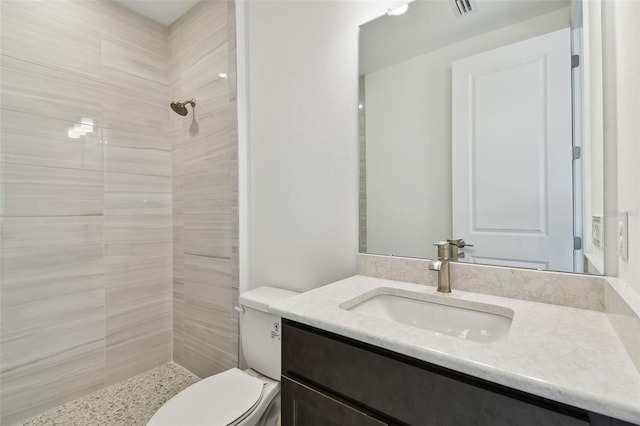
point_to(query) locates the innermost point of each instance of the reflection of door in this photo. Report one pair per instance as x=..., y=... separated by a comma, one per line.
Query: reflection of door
x=512, y=154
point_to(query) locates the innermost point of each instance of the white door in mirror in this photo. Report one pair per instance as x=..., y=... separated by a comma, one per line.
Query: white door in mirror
x=513, y=104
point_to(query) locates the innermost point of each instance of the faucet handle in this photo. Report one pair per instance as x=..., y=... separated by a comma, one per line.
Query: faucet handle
x=443, y=249
x=459, y=242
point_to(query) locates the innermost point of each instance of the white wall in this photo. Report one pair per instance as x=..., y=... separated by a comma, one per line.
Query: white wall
x=622, y=52
x=302, y=85
x=408, y=128
x=593, y=131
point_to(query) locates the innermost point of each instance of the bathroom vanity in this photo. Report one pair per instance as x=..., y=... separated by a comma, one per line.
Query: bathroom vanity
x=347, y=366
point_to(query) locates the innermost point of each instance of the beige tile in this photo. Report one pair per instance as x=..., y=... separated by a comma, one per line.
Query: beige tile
x=34, y=388
x=235, y=329
x=207, y=193
x=122, y=182
x=178, y=249
x=49, y=92
x=136, y=116
x=213, y=182
x=207, y=282
x=205, y=360
x=137, y=229
x=152, y=162
x=20, y=321
x=179, y=350
x=44, y=347
x=122, y=24
x=212, y=97
x=49, y=232
x=133, y=249
x=206, y=70
x=49, y=257
x=177, y=162
x=138, y=355
x=65, y=35
x=139, y=321
x=27, y=263
x=134, y=281
x=49, y=191
x=136, y=137
x=200, y=30
x=177, y=191
x=209, y=154
x=137, y=203
x=52, y=281
x=137, y=89
x=122, y=55
x=40, y=141
x=208, y=235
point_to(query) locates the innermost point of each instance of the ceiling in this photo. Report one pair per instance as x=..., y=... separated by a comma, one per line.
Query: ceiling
x=431, y=24
x=165, y=12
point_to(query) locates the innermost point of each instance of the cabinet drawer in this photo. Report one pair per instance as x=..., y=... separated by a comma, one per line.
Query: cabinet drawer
x=408, y=390
x=304, y=406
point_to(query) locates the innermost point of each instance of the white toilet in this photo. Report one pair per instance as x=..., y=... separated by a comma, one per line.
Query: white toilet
x=236, y=397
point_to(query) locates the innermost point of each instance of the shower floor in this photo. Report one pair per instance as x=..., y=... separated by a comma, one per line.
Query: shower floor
x=128, y=403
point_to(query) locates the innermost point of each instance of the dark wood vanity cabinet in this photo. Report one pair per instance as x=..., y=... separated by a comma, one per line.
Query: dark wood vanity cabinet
x=331, y=380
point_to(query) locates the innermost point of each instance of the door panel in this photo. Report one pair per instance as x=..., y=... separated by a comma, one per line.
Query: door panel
x=512, y=154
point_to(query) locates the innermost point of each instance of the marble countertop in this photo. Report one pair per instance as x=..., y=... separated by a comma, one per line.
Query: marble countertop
x=564, y=354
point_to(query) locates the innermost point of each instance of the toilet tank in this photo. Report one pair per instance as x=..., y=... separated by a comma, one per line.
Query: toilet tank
x=260, y=331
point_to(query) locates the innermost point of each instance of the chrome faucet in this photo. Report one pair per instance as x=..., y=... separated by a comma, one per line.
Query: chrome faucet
x=442, y=266
x=455, y=246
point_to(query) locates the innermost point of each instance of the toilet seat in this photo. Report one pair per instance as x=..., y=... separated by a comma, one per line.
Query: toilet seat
x=226, y=398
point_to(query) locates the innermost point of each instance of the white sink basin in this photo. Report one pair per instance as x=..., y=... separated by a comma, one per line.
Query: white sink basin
x=475, y=321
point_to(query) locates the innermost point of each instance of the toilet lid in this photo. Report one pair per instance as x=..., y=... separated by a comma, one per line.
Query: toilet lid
x=222, y=399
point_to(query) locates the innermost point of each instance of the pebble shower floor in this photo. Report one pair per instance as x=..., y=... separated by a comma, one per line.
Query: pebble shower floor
x=128, y=403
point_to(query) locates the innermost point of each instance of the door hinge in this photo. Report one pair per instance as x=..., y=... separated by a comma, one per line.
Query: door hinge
x=575, y=61
x=577, y=152
x=577, y=243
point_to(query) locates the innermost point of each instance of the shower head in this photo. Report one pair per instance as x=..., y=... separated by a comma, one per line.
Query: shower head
x=181, y=107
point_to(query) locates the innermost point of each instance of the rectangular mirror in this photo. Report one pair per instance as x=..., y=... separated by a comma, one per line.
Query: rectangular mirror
x=472, y=126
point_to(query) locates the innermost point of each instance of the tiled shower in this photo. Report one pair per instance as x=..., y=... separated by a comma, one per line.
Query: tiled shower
x=118, y=248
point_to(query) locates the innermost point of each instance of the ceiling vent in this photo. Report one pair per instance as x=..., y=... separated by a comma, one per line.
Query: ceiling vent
x=463, y=7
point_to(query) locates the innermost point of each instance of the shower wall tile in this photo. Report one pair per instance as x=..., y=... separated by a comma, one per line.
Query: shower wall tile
x=51, y=381
x=208, y=235
x=132, y=116
x=139, y=321
x=207, y=282
x=120, y=24
x=50, y=191
x=41, y=141
x=49, y=92
x=204, y=154
x=86, y=284
x=205, y=359
x=52, y=313
x=48, y=257
x=129, y=58
x=121, y=182
x=64, y=36
x=206, y=70
x=203, y=28
x=136, y=89
x=137, y=355
x=136, y=138
x=151, y=162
